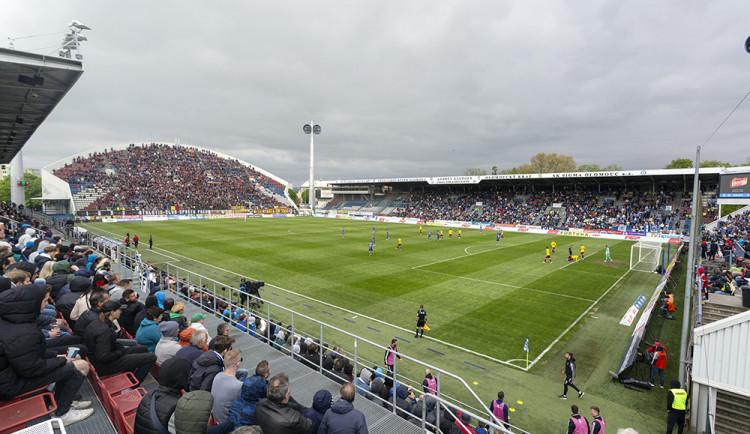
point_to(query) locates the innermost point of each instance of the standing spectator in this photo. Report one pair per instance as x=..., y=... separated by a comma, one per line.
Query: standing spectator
x=421, y=321
x=276, y=414
x=321, y=403
x=226, y=387
x=429, y=385
x=390, y=354
x=110, y=357
x=210, y=363
x=135, y=241
x=577, y=424
x=499, y=409
x=148, y=333
x=130, y=307
x=342, y=417
x=658, y=362
x=150, y=242
x=570, y=376
x=25, y=362
x=173, y=377
x=676, y=406
x=597, y=423
x=167, y=346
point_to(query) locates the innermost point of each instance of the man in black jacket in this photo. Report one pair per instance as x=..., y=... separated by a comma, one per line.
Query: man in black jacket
x=173, y=378
x=130, y=307
x=570, y=376
x=276, y=414
x=97, y=299
x=65, y=304
x=209, y=364
x=25, y=362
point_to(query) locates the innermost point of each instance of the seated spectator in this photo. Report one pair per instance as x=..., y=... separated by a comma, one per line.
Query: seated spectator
x=242, y=323
x=110, y=357
x=177, y=315
x=226, y=387
x=311, y=358
x=342, y=417
x=117, y=286
x=221, y=330
x=465, y=424
x=242, y=410
x=167, y=346
x=91, y=314
x=196, y=322
x=168, y=305
x=140, y=316
x=198, y=345
x=148, y=333
x=173, y=377
x=77, y=287
x=321, y=403
x=402, y=401
x=363, y=382
x=427, y=405
x=208, y=364
x=337, y=374
x=62, y=274
x=25, y=362
x=193, y=412
x=276, y=414
x=130, y=307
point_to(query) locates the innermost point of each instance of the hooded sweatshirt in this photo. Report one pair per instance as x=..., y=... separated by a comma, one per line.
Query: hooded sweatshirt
x=321, y=404
x=173, y=376
x=148, y=334
x=242, y=410
x=68, y=300
x=61, y=276
x=343, y=418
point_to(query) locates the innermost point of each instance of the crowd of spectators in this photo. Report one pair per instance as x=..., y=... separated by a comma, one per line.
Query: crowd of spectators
x=723, y=251
x=578, y=209
x=157, y=177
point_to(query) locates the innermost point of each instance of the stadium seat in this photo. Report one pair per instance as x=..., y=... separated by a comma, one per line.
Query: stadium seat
x=14, y=415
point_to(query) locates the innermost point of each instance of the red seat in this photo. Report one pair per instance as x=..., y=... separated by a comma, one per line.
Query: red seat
x=122, y=421
x=127, y=402
x=15, y=414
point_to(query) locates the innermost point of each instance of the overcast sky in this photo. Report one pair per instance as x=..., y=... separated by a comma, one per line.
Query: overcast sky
x=415, y=88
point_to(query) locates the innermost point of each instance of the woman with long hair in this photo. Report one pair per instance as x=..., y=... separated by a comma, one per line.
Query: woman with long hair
x=109, y=356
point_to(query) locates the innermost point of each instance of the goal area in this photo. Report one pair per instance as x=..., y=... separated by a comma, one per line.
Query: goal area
x=645, y=256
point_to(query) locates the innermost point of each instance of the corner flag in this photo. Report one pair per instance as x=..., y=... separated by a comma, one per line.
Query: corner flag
x=526, y=350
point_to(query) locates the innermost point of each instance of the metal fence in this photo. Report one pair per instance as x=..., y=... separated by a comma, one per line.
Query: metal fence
x=182, y=281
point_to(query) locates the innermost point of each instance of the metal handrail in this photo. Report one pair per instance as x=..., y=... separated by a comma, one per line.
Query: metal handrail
x=131, y=259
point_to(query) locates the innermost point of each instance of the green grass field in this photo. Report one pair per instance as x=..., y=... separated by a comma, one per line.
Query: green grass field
x=483, y=298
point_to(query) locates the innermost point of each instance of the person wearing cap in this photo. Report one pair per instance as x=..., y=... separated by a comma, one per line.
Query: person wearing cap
x=197, y=321
x=109, y=356
x=167, y=346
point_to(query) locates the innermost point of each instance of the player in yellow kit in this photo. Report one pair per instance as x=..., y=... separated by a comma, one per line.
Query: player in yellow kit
x=459, y=234
x=547, y=256
x=398, y=246
x=553, y=244
x=420, y=229
x=450, y=234
x=583, y=250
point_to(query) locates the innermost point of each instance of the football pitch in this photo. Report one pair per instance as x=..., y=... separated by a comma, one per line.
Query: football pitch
x=482, y=296
x=483, y=299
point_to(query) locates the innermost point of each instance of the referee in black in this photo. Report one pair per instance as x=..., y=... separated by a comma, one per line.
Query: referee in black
x=421, y=320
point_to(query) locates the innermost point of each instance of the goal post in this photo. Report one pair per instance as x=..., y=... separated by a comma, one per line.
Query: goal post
x=645, y=256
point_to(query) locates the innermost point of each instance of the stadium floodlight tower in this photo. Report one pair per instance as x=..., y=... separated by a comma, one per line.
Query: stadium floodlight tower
x=312, y=129
x=72, y=40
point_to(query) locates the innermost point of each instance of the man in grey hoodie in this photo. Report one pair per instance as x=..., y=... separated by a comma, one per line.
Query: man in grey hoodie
x=342, y=417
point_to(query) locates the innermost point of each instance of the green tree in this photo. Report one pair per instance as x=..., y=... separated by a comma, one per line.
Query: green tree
x=589, y=168
x=680, y=163
x=293, y=196
x=612, y=168
x=549, y=163
x=305, y=196
x=511, y=171
x=475, y=171
x=714, y=163
x=33, y=189
x=494, y=170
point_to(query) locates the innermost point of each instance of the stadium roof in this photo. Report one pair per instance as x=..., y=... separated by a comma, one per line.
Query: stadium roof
x=550, y=177
x=31, y=85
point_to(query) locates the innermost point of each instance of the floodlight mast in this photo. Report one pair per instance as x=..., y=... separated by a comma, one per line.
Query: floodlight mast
x=312, y=130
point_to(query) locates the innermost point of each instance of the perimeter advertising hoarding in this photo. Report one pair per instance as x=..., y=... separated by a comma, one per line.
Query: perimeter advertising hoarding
x=734, y=185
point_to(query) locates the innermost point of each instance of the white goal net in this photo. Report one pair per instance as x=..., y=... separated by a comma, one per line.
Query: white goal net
x=645, y=256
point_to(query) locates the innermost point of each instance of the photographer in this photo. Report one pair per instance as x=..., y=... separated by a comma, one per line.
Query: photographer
x=658, y=362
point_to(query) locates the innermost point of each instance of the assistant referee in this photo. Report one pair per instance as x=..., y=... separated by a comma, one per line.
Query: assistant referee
x=421, y=320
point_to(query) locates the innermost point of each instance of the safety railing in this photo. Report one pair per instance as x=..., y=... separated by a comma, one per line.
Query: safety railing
x=181, y=281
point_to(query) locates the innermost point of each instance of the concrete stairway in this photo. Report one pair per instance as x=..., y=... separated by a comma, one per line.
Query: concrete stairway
x=732, y=413
x=722, y=306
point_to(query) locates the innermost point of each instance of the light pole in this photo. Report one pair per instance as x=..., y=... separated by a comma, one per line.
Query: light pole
x=314, y=129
